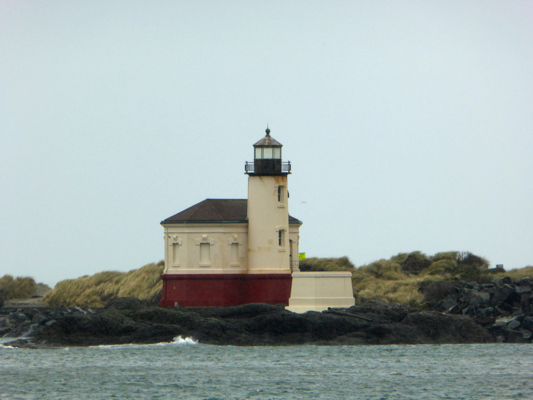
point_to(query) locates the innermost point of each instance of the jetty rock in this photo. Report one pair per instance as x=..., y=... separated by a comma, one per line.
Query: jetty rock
x=128, y=320
x=503, y=307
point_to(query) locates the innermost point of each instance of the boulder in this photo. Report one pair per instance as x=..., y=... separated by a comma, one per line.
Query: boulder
x=523, y=289
x=503, y=295
x=503, y=281
x=527, y=323
x=124, y=303
x=527, y=335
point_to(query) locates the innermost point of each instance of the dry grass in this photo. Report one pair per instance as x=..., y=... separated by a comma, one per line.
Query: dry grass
x=516, y=274
x=326, y=264
x=16, y=288
x=386, y=280
x=399, y=278
x=96, y=290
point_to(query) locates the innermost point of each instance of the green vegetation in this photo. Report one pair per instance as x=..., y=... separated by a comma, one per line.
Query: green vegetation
x=414, y=278
x=96, y=290
x=16, y=288
x=326, y=264
x=420, y=280
x=409, y=278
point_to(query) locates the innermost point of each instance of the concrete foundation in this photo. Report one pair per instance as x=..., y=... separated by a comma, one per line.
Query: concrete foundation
x=317, y=291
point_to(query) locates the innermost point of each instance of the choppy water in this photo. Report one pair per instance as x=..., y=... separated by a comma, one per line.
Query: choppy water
x=183, y=370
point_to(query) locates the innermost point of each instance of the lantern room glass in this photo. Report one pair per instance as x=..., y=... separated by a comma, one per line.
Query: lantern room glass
x=268, y=153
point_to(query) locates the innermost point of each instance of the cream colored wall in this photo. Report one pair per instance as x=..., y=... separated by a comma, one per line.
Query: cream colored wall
x=266, y=216
x=317, y=291
x=294, y=236
x=187, y=238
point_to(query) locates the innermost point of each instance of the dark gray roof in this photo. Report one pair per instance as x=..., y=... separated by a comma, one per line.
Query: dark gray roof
x=268, y=141
x=216, y=211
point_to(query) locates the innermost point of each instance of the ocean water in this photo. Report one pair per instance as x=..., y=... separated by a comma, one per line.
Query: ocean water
x=185, y=370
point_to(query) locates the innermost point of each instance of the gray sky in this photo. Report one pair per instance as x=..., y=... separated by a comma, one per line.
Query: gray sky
x=408, y=125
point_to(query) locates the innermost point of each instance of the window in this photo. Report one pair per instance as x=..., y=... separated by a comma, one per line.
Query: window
x=174, y=251
x=281, y=238
x=205, y=250
x=268, y=153
x=234, y=253
x=280, y=194
x=175, y=255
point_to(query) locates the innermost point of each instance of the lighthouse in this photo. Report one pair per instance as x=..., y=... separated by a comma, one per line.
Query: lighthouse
x=268, y=209
x=228, y=252
x=223, y=252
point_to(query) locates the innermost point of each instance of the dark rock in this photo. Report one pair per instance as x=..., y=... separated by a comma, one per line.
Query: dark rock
x=33, y=330
x=468, y=285
x=503, y=309
x=499, y=323
x=125, y=303
x=441, y=328
x=503, y=281
x=526, y=335
x=485, y=312
x=445, y=304
x=513, y=324
x=15, y=319
x=38, y=318
x=527, y=323
x=503, y=294
x=470, y=310
x=515, y=337
x=257, y=324
x=453, y=310
x=523, y=281
x=523, y=289
x=485, y=321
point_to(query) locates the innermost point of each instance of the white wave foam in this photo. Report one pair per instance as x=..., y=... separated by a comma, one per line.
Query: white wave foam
x=181, y=341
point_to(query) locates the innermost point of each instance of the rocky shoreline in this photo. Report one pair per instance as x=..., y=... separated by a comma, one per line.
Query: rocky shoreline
x=469, y=313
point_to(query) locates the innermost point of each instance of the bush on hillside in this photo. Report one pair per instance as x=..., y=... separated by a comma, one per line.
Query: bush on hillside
x=435, y=291
x=97, y=290
x=16, y=288
x=399, y=278
x=415, y=263
x=326, y=264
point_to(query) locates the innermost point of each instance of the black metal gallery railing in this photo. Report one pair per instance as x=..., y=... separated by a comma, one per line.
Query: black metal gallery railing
x=283, y=168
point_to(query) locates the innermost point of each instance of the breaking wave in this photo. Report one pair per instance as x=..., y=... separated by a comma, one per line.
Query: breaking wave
x=181, y=341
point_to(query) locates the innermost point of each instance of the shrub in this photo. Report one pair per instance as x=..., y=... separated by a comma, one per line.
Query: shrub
x=384, y=269
x=17, y=288
x=435, y=291
x=515, y=274
x=415, y=263
x=400, y=278
x=442, y=267
x=326, y=264
x=97, y=290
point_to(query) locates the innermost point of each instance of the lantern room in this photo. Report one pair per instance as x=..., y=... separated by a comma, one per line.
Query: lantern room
x=267, y=158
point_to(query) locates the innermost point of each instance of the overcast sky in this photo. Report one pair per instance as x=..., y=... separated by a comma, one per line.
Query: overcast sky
x=408, y=125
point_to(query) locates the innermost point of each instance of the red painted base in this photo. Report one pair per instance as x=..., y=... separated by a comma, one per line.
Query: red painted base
x=225, y=289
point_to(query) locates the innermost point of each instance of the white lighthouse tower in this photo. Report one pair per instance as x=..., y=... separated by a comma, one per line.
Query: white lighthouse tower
x=269, y=248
